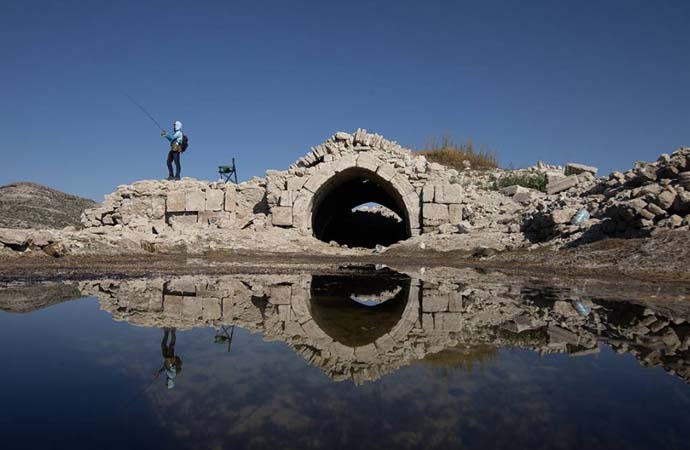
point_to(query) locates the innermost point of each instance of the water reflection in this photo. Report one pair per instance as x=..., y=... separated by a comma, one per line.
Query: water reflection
x=172, y=364
x=471, y=345
x=362, y=325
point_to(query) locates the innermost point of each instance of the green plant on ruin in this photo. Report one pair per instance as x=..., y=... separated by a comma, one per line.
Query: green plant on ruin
x=535, y=180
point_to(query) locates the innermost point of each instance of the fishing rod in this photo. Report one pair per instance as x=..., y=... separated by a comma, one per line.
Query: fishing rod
x=143, y=110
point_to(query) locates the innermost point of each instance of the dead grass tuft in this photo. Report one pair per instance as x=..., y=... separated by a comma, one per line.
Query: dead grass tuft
x=451, y=154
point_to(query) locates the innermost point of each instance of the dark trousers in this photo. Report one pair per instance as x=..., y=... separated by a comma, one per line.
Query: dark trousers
x=174, y=156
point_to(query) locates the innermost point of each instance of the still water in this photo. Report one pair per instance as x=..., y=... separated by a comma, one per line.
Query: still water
x=358, y=360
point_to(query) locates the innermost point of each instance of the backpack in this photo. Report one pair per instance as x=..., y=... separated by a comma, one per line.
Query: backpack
x=185, y=143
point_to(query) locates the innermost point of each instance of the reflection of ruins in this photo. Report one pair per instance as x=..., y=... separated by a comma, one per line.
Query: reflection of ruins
x=360, y=326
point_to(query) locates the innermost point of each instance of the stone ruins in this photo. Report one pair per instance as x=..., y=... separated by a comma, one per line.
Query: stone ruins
x=322, y=203
x=346, y=171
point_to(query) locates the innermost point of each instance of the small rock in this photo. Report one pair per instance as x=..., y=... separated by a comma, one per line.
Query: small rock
x=564, y=215
x=56, y=250
x=483, y=252
x=655, y=210
x=342, y=136
x=675, y=221
x=12, y=237
x=448, y=228
x=646, y=173
x=666, y=199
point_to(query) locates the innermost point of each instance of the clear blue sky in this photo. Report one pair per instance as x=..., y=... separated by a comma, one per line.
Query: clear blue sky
x=599, y=82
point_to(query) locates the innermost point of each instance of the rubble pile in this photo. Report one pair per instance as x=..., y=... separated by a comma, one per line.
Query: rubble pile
x=651, y=195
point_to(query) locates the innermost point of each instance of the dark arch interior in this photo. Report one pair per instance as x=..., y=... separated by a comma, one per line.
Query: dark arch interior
x=349, y=322
x=333, y=218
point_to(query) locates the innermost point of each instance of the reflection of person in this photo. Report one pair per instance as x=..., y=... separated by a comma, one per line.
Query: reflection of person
x=172, y=365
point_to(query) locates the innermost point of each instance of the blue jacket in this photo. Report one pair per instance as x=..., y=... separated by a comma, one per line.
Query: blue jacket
x=176, y=138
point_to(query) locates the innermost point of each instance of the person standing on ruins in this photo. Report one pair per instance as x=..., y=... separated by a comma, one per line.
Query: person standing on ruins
x=178, y=144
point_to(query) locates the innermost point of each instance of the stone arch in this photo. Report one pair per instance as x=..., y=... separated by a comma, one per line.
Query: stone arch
x=396, y=192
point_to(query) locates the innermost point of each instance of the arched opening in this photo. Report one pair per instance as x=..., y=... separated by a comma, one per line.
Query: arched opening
x=357, y=309
x=358, y=208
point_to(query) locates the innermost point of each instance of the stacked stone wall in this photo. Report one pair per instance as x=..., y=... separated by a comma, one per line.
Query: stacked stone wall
x=424, y=192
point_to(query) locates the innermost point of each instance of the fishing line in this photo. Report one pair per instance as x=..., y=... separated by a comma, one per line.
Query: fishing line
x=143, y=110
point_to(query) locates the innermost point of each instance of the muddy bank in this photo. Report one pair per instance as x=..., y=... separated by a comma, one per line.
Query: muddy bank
x=661, y=258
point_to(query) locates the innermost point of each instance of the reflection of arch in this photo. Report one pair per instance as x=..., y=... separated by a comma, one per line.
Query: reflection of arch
x=350, y=182
x=348, y=322
x=394, y=337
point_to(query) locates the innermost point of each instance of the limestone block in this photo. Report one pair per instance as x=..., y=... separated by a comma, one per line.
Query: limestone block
x=576, y=169
x=368, y=161
x=284, y=312
x=182, y=285
x=293, y=328
x=366, y=353
x=384, y=343
x=295, y=183
x=286, y=198
x=300, y=213
x=448, y=321
x=402, y=184
x=386, y=171
x=563, y=215
x=157, y=207
x=317, y=179
x=182, y=219
x=344, y=163
x=172, y=305
x=211, y=308
x=434, y=301
x=428, y=321
x=217, y=219
x=192, y=308
x=214, y=200
x=428, y=193
x=666, y=199
x=435, y=214
x=526, y=196
x=195, y=200
x=455, y=213
x=9, y=236
x=562, y=184
x=342, y=136
x=40, y=238
x=280, y=294
x=253, y=195
x=176, y=201
x=513, y=190
x=230, y=199
x=455, y=302
x=448, y=193
x=282, y=216
x=316, y=335
x=554, y=176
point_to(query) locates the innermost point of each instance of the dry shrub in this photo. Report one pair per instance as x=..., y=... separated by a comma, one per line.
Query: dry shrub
x=453, y=155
